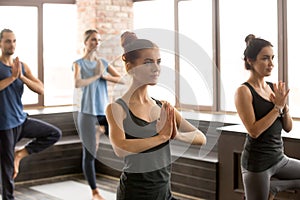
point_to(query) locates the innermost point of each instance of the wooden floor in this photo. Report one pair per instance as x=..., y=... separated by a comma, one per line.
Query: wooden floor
x=24, y=191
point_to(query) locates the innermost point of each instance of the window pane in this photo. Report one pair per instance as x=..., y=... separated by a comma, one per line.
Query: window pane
x=148, y=24
x=195, y=49
x=293, y=7
x=60, y=40
x=24, y=25
x=260, y=19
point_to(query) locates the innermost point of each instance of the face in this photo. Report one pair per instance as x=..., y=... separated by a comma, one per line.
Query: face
x=8, y=43
x=93, y=41
x=263, y=64
x=146, y=69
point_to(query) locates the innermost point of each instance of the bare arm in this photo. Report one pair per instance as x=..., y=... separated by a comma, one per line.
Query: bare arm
x=188, y=133
x=79, y=82
x=243, y=103
x=122, y=146
x=31, y=81
x=113, y=75
x=15, y=69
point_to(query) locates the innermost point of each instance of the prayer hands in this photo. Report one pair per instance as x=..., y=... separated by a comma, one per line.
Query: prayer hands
x=166, y=124
x=279, y=97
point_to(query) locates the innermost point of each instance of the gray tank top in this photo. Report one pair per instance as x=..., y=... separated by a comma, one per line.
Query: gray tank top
x=146, y=175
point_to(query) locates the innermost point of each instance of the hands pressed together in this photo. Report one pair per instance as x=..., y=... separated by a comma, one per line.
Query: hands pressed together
x=166, y=124
x=16, y=69
x=279, y=97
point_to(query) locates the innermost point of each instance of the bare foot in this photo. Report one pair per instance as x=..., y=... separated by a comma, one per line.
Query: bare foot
x=19, y=155
x=96, y=195
x=271, y=196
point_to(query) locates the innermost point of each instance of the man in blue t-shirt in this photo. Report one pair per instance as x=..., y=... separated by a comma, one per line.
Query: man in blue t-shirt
x=14, y=122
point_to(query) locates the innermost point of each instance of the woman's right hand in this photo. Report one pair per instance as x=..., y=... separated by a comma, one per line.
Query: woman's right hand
x=165, y=123
x=279, y=97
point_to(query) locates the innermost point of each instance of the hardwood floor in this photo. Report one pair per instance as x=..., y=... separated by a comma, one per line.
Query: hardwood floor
x=24, y=191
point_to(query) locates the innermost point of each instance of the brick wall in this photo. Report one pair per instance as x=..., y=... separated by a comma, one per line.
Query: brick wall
x=111, y=18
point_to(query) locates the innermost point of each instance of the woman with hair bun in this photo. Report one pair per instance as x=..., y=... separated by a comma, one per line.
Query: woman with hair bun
x=91, y=74
x=262, y=107
x=141, y=127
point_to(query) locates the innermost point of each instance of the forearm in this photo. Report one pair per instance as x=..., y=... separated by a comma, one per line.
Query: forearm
x=195, y=137
x=6, y=82
x=263, y=124
x=35, y=86
x=287, y=122
x=114, y=79
x=132, y=146
x=84, y=82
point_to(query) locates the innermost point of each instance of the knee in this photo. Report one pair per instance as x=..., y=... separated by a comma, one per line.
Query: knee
x=56, y=134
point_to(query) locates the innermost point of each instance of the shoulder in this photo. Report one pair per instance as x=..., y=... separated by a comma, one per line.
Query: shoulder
x=104, y=61
x=115, y=110
x=243, y=93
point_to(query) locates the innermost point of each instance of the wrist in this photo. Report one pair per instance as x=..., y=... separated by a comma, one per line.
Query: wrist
x=278, y=109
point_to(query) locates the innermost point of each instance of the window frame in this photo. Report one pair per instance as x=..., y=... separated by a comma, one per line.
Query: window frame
x=40, y=62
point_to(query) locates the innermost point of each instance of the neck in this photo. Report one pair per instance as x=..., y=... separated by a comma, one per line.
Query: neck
x=257, y=82
x=7, y=60
x=137, y=95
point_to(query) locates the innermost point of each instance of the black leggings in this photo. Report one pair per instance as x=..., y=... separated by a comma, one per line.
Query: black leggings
x=43, y=135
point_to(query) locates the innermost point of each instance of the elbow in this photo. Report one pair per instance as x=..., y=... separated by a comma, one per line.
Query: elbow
x=41, y=91
x=254, y=133
x=204, y=141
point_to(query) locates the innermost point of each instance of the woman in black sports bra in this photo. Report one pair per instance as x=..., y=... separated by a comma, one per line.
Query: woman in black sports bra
x=263, y=110
x=141, y=127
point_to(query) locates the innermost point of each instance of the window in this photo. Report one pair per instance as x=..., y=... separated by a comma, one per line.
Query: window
x=60, y=44
x=293, y=15
x=234, y=27
x=154, y=23
x=195, y=50
x=24, y=25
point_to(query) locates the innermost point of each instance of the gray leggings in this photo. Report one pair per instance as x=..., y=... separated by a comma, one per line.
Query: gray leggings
x=282, y=176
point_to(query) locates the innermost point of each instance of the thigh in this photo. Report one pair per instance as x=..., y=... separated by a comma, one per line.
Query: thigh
x=256, y=184
x=289, y=170
x=35, y=128
x=87, y=130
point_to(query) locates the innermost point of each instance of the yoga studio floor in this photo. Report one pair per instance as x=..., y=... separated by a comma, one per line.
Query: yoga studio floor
x=72, y=187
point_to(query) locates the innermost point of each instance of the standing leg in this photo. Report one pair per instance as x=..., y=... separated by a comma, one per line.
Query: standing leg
x=7, y=146
x=256, y=184
x=87, y=133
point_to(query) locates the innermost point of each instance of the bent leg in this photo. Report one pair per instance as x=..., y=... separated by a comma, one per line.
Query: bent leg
x=287, y=176
x=43, y=134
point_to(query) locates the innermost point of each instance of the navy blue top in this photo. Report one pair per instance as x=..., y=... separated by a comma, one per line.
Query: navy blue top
x=11, y=107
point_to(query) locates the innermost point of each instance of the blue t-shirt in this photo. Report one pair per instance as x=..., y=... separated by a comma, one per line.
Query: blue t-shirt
x=11, y=107
x=94, y=97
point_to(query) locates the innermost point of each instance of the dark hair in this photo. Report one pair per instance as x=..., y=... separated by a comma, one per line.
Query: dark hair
x=254, y=46
x=88, y=33
x=6, y=30
x=132, y=46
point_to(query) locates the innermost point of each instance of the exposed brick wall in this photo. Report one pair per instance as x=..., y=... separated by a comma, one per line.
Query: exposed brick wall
x=111, y=18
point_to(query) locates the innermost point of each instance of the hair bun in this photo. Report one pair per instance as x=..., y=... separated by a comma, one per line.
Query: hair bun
x=249, y=38
x=127, y=38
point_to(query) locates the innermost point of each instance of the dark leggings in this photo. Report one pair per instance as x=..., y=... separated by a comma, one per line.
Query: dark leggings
x=282, y=176
x=43, y=135
x=87, y=132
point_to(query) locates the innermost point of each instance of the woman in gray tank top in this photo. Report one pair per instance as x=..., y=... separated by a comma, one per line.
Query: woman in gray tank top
x=263, y=110
x=141, y=127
